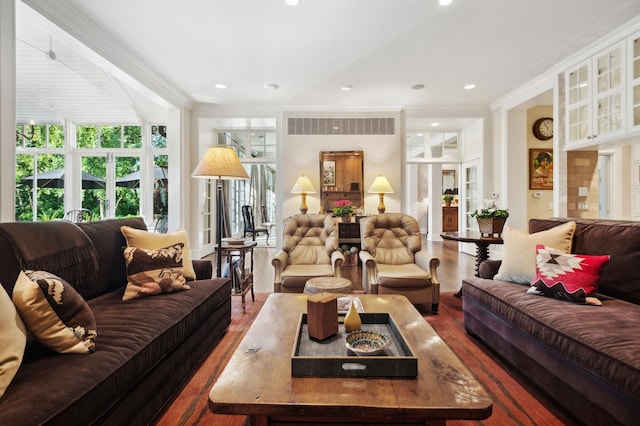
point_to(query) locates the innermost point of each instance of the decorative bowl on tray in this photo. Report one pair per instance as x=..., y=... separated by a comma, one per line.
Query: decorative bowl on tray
x=234, y=241
x=367, y=343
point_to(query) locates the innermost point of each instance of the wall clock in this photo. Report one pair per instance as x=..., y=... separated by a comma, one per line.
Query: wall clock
x=543, y=128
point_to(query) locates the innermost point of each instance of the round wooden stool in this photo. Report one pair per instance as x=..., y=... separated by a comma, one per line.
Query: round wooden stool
x=327, y=285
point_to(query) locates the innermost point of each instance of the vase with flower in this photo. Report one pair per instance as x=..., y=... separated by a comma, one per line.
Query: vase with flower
x=490, y=219
x=344, y=209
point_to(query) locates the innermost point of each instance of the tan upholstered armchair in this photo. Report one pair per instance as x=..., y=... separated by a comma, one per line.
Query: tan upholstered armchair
x=392, y=260
x=309, y=249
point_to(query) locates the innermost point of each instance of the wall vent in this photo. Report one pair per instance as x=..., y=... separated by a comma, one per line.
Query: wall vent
x=341, y=126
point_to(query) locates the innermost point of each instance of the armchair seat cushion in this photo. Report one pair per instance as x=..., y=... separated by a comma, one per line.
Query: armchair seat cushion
x=297, y=275
x=403, y=276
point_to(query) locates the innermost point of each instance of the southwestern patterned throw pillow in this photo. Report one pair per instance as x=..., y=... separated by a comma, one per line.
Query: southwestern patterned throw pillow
x=54, y=312
x=572, y=277
x=154, y=271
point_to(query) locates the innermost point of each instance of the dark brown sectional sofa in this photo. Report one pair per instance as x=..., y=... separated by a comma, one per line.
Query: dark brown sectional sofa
x=145, y=348
x=586, y=358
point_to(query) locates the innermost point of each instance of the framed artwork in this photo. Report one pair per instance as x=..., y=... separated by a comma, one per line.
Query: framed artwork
x=329, y=173
x=540, y=168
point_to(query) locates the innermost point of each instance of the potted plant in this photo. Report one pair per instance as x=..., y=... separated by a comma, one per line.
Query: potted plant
x=447, y=199
x=491, y=219
x=344, y=209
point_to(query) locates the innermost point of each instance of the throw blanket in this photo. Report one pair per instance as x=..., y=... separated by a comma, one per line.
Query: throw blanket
x=58, y=247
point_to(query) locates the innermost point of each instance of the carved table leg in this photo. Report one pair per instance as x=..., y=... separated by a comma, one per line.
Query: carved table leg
x=482, y=254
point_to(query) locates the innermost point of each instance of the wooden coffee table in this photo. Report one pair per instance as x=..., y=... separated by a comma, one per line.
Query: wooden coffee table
x=257, y=380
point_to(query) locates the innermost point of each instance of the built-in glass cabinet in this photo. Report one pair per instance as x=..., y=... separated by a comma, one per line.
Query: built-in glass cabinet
x=594, y=97
x=341, y=174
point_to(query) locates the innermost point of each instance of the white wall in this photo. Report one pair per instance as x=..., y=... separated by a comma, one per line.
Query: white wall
x=301, y=155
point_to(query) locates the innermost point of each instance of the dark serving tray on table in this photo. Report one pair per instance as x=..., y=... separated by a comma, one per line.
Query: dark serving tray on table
x=331, y=358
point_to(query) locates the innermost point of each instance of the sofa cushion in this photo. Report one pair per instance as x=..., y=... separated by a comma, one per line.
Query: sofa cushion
x=150, y=240
x=13, y=339
x=402, y=276
x=567, y=276
x=54, y=312
x=108, y=241
x=519, y=259
x=600, y=340
x=154, y=271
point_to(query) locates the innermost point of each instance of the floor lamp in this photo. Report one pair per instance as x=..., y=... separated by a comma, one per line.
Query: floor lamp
x=221, y=163
x=381, y=186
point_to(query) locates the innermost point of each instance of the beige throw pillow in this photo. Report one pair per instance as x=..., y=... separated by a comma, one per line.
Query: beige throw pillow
x=54, y=312
x=150, y=241
x=13, y=339
x=519, y=258
x=154, y=271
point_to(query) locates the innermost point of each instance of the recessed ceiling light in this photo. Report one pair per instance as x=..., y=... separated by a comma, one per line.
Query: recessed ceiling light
x=469, y=86
x=220, y=86
x=346, y=87
x=292, y=2
x=445, y=2
x=417, y=86
x=435, y=124
x=271, y=86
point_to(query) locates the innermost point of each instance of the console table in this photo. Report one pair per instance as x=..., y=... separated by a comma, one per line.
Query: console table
x=241, y=276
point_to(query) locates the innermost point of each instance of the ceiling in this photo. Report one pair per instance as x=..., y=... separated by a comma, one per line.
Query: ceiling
x=379, y=47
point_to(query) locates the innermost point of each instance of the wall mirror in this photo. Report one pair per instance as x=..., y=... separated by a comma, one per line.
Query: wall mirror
x=341, y=178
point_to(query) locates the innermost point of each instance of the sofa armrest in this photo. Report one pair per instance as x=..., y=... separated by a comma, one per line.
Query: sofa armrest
x=203, y=268
x=279, y=262
x=423, y=260
x=369, y=272
x=489, y=268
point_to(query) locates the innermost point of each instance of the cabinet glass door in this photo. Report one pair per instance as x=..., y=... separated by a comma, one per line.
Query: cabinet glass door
x=608, y=96
x=577, y=101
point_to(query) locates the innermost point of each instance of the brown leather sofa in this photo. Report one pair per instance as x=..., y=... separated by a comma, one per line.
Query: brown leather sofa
x=586, y=358
x=393, y=260
x=309, y=250
x=145, y=349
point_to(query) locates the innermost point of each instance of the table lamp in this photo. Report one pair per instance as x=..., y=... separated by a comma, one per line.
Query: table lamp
x=381, y=186
x=221, y=163
x=303, y=187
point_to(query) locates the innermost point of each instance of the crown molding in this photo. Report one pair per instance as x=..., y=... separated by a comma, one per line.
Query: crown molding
x=107, y=53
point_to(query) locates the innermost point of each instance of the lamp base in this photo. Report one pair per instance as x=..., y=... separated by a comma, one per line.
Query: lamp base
x=303, y=204
x=381, y=207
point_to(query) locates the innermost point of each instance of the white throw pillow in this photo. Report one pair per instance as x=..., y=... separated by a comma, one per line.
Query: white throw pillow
x=519, y=258
x=13, y=340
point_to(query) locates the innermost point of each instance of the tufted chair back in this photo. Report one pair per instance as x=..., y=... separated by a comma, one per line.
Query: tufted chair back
x=391, y=238
x=309, y=239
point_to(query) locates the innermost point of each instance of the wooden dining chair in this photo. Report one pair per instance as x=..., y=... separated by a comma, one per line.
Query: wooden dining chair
x=249, y=223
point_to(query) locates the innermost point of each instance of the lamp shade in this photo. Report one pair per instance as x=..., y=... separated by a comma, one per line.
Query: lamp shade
x=303, y=184
x=380, y=186
x=220, y=162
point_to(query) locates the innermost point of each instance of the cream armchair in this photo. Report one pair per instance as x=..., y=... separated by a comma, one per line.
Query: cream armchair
x=393, y=261
x=309, y=250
